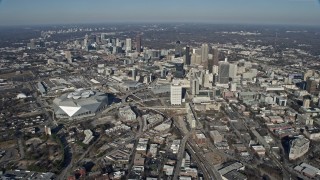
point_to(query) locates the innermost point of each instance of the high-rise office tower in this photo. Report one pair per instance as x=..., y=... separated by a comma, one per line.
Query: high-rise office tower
x=164, y=72
x=195, y=86
x=179, y=73
x=233, y=70
x=188, y=56
x=215, y=69
x=195, y=59
x=208, y=79
x=138, y=43
x=68, y=56
x=85, y=41
x=223, y=75
x=210, y=65
x=312, y=86
x=118, y=42
x=128, y=44
x=114, y=41
x=178, y=49
x=204, y=54
x=32, y=44
x=98, y=39
x=215, y=56
x=134, y=74
x=175, y=93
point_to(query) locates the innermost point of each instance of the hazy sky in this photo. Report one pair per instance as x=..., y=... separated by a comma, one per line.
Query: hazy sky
x=24, y=12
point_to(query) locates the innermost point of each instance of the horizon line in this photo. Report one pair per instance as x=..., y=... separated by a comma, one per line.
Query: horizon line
x=159, y=23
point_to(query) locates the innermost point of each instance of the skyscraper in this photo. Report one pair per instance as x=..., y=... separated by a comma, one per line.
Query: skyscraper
x=128, y=44
x=223, y=76
x=98, y=39
x=188, y=56
x=85, y=41
x=179, y=70
x=138, y=43
x=164, y=73
x=204, y=54
x=233, y=70
x=215, y=57
x=178, y=49
x=312, y=86
x=195, y=87
x=175, y=93
x=134, y=74
x=210, y=65
x=68, y=56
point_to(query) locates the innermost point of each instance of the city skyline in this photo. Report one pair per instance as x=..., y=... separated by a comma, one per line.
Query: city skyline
x=295, y=12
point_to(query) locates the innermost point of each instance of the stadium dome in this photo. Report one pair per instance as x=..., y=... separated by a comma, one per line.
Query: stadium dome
x=80, y=103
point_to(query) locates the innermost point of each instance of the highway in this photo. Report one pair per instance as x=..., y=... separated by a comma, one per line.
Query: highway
x=208, y=170
x=124, y=97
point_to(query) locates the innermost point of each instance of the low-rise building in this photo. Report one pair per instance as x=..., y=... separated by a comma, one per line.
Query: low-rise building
x=228, y=167
x=200, y=138
x=312, y=134
x=168, y=169
x=138, y=163
x=153, y=150
x=190, y=172
x=259, y=150
x=88, y=136
x=142, y=145
x=127, y=114
x=175, y=146
x=308, y=170
x=216, y=136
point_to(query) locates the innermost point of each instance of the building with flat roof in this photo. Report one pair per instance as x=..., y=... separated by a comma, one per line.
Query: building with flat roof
x=308, y=170
x=175, y=146
x=223, y=76
x=298, y=147
x=216, y=136
x=228, y=167
x=127, y=114
x=88, y=136
x=176, y=94
x=23, y=174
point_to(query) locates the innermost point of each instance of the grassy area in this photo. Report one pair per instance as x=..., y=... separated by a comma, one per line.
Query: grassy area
x=7, y=144
x=84, y=146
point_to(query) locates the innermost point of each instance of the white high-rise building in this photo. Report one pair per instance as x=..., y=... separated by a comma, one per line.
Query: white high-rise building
x=215, y=69
x=128, y=44
x=175, y=93
x=85, y=42
x=68, y=56
x=208, y=79
x=118, y=42
x=233, y=68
